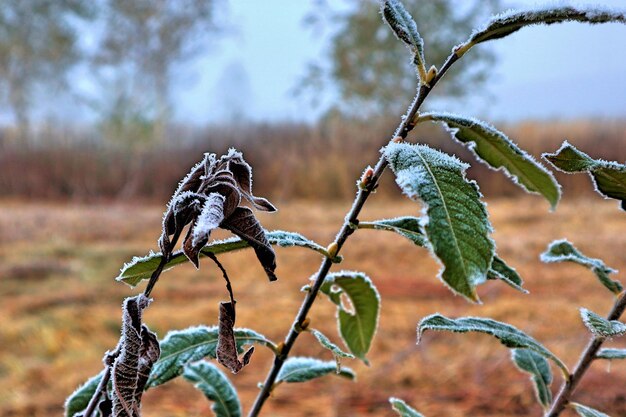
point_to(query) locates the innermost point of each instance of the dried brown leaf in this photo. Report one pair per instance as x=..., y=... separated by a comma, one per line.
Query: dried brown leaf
x=226, y=345
x=243, y=223
x=138, y=350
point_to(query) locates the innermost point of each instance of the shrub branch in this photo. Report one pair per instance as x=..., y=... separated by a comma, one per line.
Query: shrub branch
x=587, y=357
x=407, y=124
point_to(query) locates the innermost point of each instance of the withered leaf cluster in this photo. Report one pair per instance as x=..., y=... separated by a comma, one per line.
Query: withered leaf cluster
x=132, y=361
x=211, y=196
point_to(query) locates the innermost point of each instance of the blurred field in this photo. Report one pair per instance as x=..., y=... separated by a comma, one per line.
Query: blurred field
x=73, y=165
x=60, y=308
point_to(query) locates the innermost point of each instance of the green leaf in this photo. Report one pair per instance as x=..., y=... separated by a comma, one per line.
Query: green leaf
x=402, y=408
x=600, y=326
x=403, y=25
x=180, y=347
x=564, y=251
x=406, y=226
x=357, y=325
x=500, y=270
x=325, y=342
x=410, y=228
x=80, y=398
x=609, y=178
x=495, y=149
x=298, y=369
x=510, y=22
x=140, y=268
x=457, y=225
x=585, y=411
x=508, y=335
x=215, y=387
x=539, y=369
x=334, y=349
x=611, y=353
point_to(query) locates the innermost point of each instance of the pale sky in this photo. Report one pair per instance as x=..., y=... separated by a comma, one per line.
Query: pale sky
x=561, y=71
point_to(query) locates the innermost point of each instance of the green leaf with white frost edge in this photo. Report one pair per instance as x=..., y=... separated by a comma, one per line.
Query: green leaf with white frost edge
x=600, y=326
x=400, y=407
x=333, y=348
x=500, y=270
x=495, y=149
x=506, y=23
x=359, y=321
x=508, y=335
x=297, y=369
x=539, y=369
x=609, y=178
x=611, y=353
x=404, y=27
x=140, y=268
x=406, y=226
x=585, y=411
x=564, y=251
x=215, y=387
x=180, y=347
x=457, y=226
x=80, y=398
x=410, y=228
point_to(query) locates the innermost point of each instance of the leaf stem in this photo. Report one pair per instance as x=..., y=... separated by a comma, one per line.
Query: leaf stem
x=408, y=123
x=588, y=356
x=95, y=399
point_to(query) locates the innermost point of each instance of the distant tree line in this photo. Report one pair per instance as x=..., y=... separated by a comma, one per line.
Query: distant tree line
x=132, y=50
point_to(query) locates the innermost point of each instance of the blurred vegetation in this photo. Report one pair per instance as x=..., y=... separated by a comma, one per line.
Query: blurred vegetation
x=364, y=56
x=130, y=48
x=69, y=165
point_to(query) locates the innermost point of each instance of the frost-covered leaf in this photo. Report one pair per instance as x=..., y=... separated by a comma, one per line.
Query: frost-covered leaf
x=334, y=349
x=359, y=320
x=457, y=226
x=609, y=178
x=508, y=335
x=564, y=251
x=244, y=224
x=406, y=226
x=404, y=27
x=498, y=151
x=140, y=268
x=600, y=326
x=180, y=347
x=539, y=369
x=209, y=219
x=585, y=411
x=297, y=369
x=504, y=24
x=215, y=387
x=80, y=398
x=227, y=348
x=403, y=410
x=410, y=228
x=135, y=355
x=611, y=353
x=500, y=270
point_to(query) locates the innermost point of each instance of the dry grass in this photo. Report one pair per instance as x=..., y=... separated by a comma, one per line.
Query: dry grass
x=60, y=308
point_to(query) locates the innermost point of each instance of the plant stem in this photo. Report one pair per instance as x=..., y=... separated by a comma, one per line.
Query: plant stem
x=407, y=124
x=95, y=399
x=588, y=356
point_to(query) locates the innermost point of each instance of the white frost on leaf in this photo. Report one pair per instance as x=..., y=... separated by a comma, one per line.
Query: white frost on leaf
x=210, y=217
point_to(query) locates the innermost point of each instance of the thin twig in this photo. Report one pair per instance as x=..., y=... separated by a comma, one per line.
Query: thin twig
x=164, y=260
x=95, y=399
x=407, y=124
x=589, y=355
x=224, y=274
